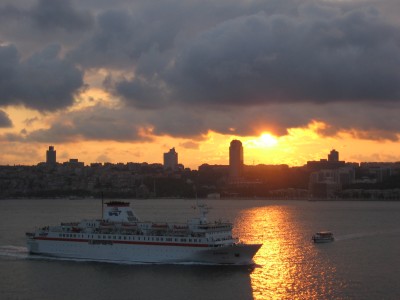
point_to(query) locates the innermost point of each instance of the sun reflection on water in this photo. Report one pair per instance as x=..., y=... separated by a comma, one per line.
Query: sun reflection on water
x=288, y=265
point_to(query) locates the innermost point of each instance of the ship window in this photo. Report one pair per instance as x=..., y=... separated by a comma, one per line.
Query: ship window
x=124, y=237
x=176, y=240
x=190, y=240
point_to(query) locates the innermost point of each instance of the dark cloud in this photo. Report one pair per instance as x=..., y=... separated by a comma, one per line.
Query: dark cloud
x=128, y=124
x=5, y=121
x=59, y=14
x=95, y=123
x=30, y=25
x=44, y=81
x=121, y=37
x=234, y=67
x=333, y=56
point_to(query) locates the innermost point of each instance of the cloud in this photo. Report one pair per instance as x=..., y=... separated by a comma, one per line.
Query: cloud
x=334, y=56
x=234, y=67
x=127, y=124
x=121, y=37
x=190, y=145
x=30, y=25
x=5, y=121
x=96, y=123
x=59, y=14
x=43, y=81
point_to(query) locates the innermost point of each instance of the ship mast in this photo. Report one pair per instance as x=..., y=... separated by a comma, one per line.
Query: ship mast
x=102, y=206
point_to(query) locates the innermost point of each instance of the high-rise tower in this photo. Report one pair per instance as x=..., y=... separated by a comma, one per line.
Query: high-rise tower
x=333, y=156
x=51, y=157
x=171, y=159
x=236, y=159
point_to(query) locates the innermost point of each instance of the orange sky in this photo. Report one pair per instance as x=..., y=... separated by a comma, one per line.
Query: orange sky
x=294, y=149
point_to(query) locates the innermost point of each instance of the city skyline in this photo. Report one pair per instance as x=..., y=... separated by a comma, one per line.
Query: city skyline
x=129, y=80
x=235, y=160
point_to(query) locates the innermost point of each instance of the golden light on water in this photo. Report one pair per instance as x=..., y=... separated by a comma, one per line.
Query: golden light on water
x=288, y=264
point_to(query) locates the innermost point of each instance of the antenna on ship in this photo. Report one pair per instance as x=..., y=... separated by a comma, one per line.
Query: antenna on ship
x=102, y=206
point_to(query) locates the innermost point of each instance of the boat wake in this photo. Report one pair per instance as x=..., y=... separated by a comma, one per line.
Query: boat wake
x=14, y=251
x=361, y=235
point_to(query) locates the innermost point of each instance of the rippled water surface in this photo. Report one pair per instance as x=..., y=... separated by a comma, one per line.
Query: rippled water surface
x=362, y=263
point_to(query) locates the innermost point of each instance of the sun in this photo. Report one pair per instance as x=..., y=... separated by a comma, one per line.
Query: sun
x=268, y=140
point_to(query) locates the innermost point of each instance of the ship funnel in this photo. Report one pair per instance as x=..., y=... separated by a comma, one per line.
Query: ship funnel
x=116, y=211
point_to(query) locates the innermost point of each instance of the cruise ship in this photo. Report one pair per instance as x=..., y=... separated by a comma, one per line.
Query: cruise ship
x=119, y=236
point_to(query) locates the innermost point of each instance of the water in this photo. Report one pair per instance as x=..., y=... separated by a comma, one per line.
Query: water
x=363, y=262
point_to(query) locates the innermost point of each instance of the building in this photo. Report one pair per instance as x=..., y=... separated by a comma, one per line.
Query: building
x=333, y=156
x=327, y=183
x=236, y=160
x=171, y=159
x=74, y=163
x=51, y=157
x=332, y=162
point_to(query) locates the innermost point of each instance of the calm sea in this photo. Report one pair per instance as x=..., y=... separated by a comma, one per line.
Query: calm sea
x=363, y=262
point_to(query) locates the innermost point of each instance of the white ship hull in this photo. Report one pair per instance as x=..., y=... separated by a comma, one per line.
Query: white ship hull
x=145, y=253
x=121, y=237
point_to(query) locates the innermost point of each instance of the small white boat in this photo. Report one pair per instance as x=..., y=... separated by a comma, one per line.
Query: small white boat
x=323, y=237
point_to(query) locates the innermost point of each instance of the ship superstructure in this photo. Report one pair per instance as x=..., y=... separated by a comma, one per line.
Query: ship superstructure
x=120, y=236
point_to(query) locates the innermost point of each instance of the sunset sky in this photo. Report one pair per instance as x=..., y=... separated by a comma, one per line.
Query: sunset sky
x=125, y=81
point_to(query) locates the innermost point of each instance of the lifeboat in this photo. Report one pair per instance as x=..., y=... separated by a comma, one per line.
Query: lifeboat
x=129, y=225
x=159, y=226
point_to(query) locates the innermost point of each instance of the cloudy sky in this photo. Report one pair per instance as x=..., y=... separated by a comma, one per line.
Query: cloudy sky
x=124, y=80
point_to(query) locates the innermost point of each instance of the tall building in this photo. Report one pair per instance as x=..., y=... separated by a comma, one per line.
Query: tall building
x=333, y=156
x=236, y=159
x=51, y=157
x=171, y=159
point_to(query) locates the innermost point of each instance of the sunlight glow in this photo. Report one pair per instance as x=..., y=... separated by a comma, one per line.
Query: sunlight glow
x=268, y=140
x=286, y=261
